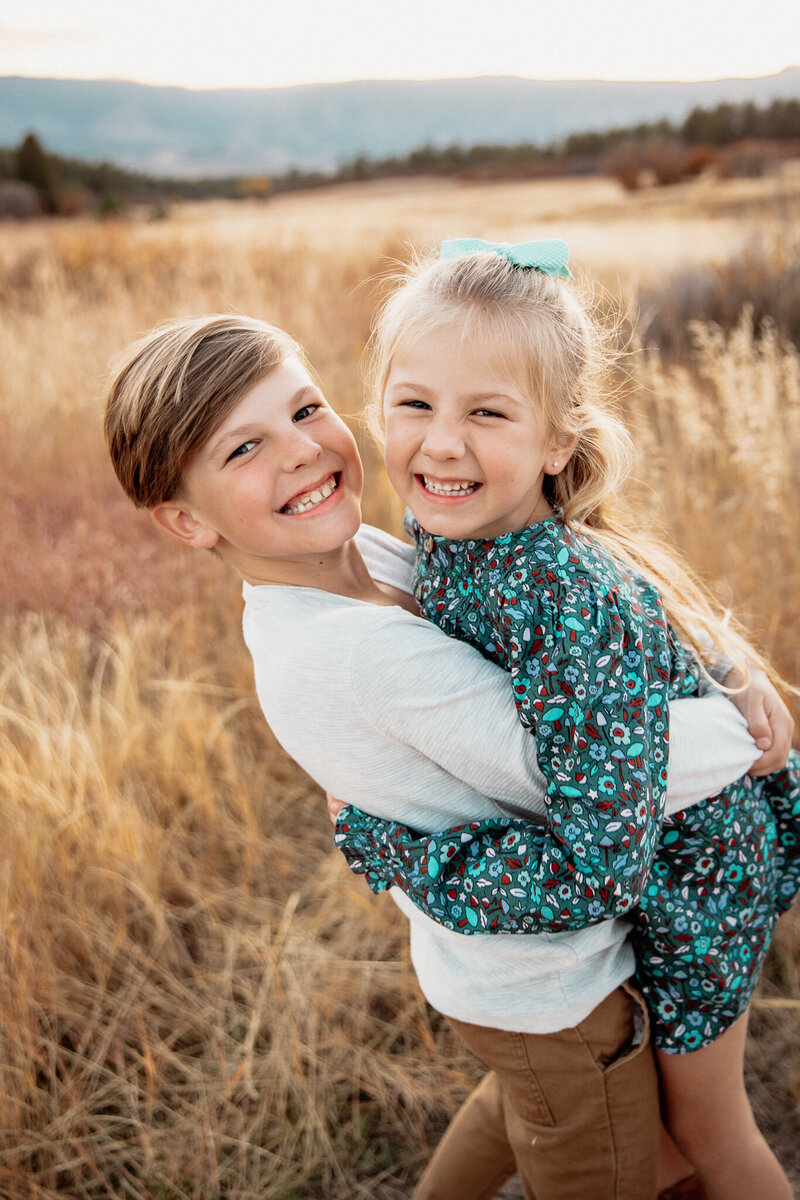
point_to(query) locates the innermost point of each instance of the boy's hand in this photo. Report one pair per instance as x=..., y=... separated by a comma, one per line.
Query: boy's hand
x=335, y=806
x=768, y=720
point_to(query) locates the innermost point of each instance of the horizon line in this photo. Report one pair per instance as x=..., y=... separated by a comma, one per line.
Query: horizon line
x=390, y=79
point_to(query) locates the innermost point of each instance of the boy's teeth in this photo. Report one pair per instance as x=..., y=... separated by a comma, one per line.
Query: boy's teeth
x=458, y=487
x=307, y=500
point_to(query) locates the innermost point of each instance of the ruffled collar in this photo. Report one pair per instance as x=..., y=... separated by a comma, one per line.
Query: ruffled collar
x=527, y=536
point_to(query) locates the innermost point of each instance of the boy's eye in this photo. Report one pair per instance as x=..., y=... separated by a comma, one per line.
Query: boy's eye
x=306, y=411
x=240, y=450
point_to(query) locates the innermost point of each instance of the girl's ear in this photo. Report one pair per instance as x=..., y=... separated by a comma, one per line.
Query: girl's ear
x=183, y=525
x=560, y=451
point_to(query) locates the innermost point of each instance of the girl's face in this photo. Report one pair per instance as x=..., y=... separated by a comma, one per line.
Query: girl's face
x=279, y=479
x=466, y=450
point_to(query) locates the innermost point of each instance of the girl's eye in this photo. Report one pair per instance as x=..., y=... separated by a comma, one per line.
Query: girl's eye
x=422, y=405
x=245, y=448
x=306, y=411
x=488, y=412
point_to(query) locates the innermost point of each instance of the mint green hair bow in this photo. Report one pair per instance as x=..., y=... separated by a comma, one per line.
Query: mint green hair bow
x=550, y=255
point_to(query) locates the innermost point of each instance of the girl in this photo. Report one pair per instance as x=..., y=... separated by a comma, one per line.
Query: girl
x=509, y=460
x=216, y=426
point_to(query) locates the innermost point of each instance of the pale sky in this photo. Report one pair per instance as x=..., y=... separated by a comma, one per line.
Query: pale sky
x=264, y=43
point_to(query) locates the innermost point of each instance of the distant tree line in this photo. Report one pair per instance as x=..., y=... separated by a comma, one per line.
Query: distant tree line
x=659, y=150
x=650, y=144
x=72, y=184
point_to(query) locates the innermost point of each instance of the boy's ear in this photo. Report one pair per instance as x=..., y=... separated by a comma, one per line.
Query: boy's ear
x=183, y=525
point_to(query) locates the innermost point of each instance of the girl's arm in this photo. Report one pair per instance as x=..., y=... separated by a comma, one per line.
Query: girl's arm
x=595, y=700
x=388, y=853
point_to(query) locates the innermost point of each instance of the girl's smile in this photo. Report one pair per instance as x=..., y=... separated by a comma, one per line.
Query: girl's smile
x=466, y=449
x=450, y=489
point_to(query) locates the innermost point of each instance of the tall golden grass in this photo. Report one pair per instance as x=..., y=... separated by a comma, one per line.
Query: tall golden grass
x=197, y=1000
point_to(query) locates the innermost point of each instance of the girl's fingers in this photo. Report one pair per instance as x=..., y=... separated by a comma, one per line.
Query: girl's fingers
x=759, y=726
x=334, y=806
x=780, y=727
x=768, y=720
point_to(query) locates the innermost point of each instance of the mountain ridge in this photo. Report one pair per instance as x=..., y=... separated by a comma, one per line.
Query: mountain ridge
x=174, y=130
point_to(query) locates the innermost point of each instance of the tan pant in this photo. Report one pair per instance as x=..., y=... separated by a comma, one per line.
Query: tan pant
x=573, y=1113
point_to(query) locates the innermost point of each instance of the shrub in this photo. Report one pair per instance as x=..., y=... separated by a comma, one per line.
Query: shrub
x=764, y=279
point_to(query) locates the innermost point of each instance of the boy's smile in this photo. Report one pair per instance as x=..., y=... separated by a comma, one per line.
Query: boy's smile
x=279, y=479
x=466, y=449
x=311, y=499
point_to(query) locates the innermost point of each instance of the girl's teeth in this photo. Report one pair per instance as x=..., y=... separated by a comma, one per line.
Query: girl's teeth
x=457, y=487
x=309, y=500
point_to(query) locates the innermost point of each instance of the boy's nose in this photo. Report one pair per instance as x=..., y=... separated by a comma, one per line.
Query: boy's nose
x=299, y=450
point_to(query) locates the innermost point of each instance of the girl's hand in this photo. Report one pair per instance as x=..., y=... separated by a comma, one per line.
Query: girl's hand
x=768, y=720
x=335, y=806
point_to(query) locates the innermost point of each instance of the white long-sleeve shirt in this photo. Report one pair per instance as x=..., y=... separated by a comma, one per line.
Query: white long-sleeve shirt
x=384, y=710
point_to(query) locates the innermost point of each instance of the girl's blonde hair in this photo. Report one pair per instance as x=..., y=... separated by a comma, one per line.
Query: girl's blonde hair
x=543, y=335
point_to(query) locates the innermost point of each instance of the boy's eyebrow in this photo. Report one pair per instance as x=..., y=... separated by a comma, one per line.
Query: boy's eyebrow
x=215, y=445
x=241, y=431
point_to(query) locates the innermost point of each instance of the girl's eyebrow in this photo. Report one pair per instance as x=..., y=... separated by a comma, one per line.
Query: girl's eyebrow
x=477, y=397
x=473, y=397
x=406, y=383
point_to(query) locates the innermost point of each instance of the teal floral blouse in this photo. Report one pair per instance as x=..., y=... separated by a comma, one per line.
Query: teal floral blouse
x=593, y=665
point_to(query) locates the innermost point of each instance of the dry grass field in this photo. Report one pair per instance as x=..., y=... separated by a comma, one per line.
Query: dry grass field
x=187, y=1012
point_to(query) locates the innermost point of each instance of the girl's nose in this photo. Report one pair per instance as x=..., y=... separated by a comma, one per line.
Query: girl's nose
x=443, y=439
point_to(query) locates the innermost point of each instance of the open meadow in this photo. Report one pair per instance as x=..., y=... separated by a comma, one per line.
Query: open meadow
x=197, y=1001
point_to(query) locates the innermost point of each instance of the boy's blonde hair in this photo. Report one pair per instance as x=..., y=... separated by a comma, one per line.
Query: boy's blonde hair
x=540, y=334
x=172, y=389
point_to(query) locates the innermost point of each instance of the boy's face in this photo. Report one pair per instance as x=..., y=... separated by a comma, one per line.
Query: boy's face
x=465, y=449
x=279, y=479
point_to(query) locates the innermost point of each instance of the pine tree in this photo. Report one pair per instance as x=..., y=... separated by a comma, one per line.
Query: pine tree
x=33, y=167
